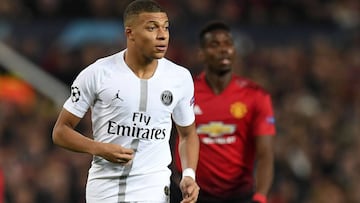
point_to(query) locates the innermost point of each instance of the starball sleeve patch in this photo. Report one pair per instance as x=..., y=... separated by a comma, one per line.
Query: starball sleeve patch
x=75, y=94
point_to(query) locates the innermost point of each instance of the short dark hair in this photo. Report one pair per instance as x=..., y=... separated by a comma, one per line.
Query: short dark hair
x=139, y=6
x=211, y=26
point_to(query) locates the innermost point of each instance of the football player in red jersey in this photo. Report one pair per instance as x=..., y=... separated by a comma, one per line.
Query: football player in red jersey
x=235, y=124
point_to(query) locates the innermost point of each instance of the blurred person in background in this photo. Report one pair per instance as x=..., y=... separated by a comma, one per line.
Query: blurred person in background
x=2, y=186
x=134, y=96
x=235, y=125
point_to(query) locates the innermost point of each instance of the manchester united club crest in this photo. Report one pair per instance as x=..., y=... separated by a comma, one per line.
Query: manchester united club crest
x=238, y=110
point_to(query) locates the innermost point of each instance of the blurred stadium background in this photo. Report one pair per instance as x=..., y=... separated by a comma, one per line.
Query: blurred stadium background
x=305, y=52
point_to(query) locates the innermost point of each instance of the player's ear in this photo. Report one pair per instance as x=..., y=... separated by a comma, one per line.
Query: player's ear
x=129, y=33
x=200, y=54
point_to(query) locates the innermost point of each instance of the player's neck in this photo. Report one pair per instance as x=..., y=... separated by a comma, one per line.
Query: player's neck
x=140, y=66
x=217, y=82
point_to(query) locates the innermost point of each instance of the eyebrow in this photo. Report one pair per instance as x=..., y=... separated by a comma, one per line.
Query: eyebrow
x=158, y=21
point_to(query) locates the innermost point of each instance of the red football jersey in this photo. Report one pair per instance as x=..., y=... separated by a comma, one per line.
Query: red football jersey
x=227, y=125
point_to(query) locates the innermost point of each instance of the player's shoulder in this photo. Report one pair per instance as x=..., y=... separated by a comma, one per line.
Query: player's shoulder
x=106, y=61
x=172, y=67
x=249, y=84
x=103, y=64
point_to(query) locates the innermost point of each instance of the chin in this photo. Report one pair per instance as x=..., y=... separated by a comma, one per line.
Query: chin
x=224, y=71
x=226, y=67
x=159, y=55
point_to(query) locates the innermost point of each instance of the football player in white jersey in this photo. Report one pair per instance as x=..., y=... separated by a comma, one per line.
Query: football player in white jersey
x=134, y=96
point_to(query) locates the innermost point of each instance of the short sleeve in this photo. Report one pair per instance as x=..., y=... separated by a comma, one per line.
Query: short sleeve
x=82, y=93
x=264, y=123
x=183, y=113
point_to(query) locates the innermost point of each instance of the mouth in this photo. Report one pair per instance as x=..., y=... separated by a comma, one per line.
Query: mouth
x=161, y=48
x=225, y=61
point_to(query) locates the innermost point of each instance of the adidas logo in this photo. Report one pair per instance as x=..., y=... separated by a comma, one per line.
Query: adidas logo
x=197, y=110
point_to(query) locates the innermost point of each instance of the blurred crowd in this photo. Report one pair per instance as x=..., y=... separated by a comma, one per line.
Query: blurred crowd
x=306, y=53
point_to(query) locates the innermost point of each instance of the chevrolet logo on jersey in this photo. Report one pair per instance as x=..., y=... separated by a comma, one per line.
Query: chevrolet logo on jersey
x=216, y=129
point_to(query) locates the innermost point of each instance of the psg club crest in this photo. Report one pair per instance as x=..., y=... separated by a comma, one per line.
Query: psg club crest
x=75, y=94
x=166, y=97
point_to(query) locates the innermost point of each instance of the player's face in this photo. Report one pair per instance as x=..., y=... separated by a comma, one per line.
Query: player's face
x=219, y=51
x=151, y=34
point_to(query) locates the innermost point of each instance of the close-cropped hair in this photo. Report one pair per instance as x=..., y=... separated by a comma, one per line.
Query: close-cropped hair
x=212, y=26
x=140, y=6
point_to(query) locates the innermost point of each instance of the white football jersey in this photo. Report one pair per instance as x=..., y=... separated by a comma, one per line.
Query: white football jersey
x=134, y=113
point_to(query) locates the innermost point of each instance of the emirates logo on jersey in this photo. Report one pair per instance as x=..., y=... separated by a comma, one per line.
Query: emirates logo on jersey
x=238, y=110
x=216, y=129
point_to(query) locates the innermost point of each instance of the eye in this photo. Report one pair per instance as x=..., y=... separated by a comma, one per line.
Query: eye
x=229, y=43
x=213, y=44
x=151, y=28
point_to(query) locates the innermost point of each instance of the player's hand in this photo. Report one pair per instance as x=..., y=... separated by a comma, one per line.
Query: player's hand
x=189, y=189
x=115, y=153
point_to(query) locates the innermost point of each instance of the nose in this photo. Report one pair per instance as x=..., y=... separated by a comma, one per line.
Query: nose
x=163, y=33
x=226, y=48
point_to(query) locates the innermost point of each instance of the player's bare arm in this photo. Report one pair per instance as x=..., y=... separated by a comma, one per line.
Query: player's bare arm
x=265, y=160
x=65, y=135
x=189, y=154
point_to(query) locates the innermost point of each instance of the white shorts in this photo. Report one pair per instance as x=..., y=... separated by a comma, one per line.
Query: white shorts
x=145, y=188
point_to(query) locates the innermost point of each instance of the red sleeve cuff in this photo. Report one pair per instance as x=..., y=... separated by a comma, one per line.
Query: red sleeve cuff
x=260, y=198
